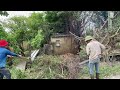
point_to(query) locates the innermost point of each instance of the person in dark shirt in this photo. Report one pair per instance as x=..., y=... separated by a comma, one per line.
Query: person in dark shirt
x=4, y=52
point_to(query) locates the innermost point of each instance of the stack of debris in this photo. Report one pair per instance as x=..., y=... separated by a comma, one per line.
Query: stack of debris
x=72, y=61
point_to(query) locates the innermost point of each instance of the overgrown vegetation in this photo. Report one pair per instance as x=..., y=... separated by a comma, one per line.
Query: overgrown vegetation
x=28, y=33
x=45, y=67
x=27, y=29
x=52, y=67
x=106, y=71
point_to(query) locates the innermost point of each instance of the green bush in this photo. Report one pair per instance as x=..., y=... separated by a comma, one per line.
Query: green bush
x=36, y=42
x=52, y=67
x=82, y=53
x=17, y=74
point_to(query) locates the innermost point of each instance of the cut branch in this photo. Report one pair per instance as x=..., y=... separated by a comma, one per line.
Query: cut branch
x=77, y=37
x=115, y=33
x=104, y=38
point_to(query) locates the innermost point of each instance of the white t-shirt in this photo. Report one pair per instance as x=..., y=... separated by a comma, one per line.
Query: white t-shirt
x=94, y=49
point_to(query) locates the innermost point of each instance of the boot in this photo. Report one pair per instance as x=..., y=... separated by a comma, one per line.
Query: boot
x=1, y=76
x=92, y=76
x=97, y=75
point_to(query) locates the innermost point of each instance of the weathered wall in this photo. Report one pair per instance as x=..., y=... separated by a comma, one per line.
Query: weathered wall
x=67, y=45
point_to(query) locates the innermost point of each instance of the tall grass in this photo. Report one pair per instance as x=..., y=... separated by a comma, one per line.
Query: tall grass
x=52, y=67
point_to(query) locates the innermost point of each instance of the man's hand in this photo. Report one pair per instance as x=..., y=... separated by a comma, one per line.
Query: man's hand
x=9, y=56
x=20, y=56
x=100, y=55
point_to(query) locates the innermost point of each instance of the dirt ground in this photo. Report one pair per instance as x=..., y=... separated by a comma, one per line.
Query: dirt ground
x=113, y=77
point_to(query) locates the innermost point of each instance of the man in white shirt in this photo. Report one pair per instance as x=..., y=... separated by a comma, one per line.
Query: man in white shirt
x=94, y=50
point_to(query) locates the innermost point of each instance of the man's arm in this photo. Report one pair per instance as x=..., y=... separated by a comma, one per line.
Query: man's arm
x=8, y=52
x=102, y=46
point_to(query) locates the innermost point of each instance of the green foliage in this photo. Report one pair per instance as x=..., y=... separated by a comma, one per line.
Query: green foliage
x=34, y=23
x=82, y=53
x=36, y=42
x=17, y=74
x=57, y=20
x=47, y=67
x=4, y=13
x=116, y=22
x=37, y=28
x=25, y=29
x=52, y=67
x=17, y=26
x=3, y=34
x=18, y=32
x=51, y=16
x=106, y=71
x=89, y=32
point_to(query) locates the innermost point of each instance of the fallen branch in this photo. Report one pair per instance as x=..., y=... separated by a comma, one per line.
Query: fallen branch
x=106, y=53
x=116, y=15
x=104, y=24
x=84, y=62
x=50, y=69
x=104, y=38
x=77, y=37
x=101, y=18
x=112, y=36
x=115, y=33
x=107, y=42
x=95, y=33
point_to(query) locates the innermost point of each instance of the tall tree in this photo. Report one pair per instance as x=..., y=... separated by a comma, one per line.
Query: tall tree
x=18, y=28
x=34, y=23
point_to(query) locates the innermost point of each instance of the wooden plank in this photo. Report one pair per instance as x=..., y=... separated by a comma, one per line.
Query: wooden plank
x=34, y=54
x=77, y=37
x=84, y=62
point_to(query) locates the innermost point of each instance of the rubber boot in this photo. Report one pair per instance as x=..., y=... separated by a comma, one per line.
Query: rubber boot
x=97, y=75
x=1, y=76
x=92, y=76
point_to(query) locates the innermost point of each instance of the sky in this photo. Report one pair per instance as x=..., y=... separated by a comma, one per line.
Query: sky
x=17, y=13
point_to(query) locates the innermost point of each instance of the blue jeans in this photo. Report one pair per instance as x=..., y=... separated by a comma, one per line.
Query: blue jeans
x=91, y=67
x=5, y=72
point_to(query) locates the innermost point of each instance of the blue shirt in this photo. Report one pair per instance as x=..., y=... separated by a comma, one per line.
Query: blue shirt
x=3, y=56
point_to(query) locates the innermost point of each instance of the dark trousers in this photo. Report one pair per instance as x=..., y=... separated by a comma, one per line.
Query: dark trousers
x=1, y=76
x=5, y=72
